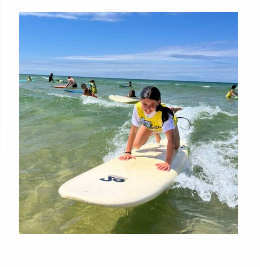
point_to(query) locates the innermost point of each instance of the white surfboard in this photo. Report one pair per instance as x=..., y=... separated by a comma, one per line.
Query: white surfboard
x=118, y=183
x=124, y=99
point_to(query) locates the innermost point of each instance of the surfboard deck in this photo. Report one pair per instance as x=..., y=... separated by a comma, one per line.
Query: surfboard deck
x=60, y=86
x=118, y=183
x=124, y=99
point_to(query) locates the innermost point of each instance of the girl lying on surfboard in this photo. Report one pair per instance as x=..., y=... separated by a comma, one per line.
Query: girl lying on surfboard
x=87, y=91
x=152, y=116
x=131, y=93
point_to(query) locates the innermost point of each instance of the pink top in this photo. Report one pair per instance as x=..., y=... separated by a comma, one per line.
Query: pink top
x=71, y=81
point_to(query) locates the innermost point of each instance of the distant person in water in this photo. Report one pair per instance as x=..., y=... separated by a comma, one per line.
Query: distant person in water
x=92, y=86
x=130, y=84
x=231, y=92
x=29, y=79
x=87, y=91
x=51, y=78
x=131, y=93
x=71, y=82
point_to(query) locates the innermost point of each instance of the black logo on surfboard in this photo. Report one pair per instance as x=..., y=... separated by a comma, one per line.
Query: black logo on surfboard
x=112, y=178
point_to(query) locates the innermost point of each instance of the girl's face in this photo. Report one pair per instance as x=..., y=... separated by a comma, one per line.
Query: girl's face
x=149, y=105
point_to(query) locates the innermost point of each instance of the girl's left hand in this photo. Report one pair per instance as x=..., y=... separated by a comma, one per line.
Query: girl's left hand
x=126, y=157
x=163, y=166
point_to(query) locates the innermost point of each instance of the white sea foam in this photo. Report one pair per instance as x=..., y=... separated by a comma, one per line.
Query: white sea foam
x=201, y=112
x=218, y=173
x=193, y=113
x=102, y=102
x=206, y=86
x=62, y=95
x=215, y=160
x=120, y=141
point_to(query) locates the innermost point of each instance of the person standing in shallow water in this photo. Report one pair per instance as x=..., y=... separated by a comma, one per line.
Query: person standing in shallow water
x=71, y=82
x=152, y=116
x=51, y=78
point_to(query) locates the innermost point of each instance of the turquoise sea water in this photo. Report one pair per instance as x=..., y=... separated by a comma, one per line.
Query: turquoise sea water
x=65, y=134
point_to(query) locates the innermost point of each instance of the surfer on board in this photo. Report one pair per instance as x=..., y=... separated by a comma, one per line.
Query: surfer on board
x=152, y=116
x=131, y=93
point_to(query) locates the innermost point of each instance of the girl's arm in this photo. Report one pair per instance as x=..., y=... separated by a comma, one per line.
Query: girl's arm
x=130, y=142
x=166, y=166
x=175, y=109
x=233, y=92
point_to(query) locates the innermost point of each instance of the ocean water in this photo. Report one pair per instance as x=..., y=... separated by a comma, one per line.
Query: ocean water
x=62, y=135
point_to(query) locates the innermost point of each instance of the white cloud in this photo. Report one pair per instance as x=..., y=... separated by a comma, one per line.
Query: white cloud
x=168, y=54
x=97, y=16
x=201, y=63
x=136, y=69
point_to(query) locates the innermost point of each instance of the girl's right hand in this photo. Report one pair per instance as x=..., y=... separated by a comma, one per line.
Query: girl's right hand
x=126, y=156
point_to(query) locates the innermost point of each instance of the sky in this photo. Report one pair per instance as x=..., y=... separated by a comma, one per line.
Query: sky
x=191, y=46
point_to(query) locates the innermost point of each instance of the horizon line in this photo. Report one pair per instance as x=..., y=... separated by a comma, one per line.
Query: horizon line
x=128, y=78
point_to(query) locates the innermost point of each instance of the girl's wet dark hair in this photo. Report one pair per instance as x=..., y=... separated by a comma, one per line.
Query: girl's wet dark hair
x=233, y=86
x=132, y=93
x=151, y=92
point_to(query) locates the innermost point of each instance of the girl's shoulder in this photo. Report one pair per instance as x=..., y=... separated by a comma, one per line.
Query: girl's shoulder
x=138, y=105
